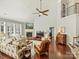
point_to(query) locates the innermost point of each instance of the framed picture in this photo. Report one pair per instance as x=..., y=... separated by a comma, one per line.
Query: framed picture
x=29, y=26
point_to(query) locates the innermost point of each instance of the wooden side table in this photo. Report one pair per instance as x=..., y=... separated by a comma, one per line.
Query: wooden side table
x=61, y=39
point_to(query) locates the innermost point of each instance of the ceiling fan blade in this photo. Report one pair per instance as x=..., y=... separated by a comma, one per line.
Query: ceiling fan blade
x=35, y=13
x=39, y=15
x=38, y=10
x=45, y=10
x=45, y=14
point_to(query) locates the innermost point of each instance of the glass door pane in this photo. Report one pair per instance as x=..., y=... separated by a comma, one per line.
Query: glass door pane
x=1, y=26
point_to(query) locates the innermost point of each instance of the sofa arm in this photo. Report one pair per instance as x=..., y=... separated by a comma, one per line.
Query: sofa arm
x=13, y=51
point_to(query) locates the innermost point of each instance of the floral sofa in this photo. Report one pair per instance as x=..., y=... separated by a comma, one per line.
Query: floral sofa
x=11, y=47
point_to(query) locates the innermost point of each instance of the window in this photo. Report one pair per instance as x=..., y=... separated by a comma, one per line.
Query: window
x=1, y=26
x=69, y=10
x=17, y=28
x=10, y=27
x=77, y=8
x=63, y=10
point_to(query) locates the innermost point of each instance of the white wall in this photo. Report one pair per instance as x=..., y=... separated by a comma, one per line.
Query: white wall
x=44, y=22
x=69, y=22
x=19, y=10
x=70, y=27
x=77, y=24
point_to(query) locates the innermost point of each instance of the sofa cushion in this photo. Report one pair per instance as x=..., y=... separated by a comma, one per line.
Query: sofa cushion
x=8, y=40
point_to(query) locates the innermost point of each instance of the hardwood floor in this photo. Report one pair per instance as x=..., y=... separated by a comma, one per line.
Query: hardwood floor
x=55, y=52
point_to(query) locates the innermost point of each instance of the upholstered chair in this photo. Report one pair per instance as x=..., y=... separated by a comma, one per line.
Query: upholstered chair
x=43, y=48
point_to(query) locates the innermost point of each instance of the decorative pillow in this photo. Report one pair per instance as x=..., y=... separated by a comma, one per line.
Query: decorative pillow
x=17, y=36
x=9, y=40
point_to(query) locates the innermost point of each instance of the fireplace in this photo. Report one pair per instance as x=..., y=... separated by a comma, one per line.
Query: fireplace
x=29, y=34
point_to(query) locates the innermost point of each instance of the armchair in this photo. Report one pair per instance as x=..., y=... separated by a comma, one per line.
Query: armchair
x=43, y=47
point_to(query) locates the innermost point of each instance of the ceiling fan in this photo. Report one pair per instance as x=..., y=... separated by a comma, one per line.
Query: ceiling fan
x=40, y=12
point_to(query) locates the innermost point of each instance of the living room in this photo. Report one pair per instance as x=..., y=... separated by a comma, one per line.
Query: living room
x=39, y=29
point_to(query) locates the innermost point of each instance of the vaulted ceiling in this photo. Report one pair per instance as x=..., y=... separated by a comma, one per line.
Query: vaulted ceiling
x=21, y=10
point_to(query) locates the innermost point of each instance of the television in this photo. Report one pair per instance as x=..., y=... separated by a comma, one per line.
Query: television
x=40, y=33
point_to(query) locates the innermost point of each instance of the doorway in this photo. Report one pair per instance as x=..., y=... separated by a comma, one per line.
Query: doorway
x=51, y=33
